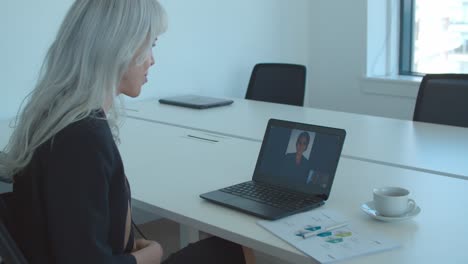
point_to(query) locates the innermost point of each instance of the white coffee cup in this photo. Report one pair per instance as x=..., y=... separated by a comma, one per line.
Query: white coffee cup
x=392, y=201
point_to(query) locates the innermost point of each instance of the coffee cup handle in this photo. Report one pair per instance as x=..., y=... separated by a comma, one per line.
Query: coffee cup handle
x=411, y=205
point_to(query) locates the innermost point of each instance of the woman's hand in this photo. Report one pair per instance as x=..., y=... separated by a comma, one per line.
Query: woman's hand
x=147, y=252
x=142, y=243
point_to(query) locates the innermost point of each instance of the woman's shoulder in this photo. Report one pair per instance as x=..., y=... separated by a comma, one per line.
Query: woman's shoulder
x=91, y=132
x=87, y=141
x=93, y=127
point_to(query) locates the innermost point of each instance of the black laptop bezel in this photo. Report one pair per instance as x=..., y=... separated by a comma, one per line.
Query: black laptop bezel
x=258, y=176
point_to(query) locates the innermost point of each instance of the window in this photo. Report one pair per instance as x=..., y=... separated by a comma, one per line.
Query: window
x=433, y=36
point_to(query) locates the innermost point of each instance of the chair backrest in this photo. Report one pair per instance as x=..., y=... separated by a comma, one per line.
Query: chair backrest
x=277, y=83
x=443, y=99
x=9, y=251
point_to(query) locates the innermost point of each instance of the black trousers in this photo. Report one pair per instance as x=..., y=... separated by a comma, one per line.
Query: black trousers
x=213, y=250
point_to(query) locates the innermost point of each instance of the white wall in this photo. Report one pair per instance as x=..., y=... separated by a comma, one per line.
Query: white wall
x=27, y=28
x=212, y=45
x=338, y=62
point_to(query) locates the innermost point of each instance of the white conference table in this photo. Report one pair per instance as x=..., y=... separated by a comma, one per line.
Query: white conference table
x=168, y=170
x=406, y=144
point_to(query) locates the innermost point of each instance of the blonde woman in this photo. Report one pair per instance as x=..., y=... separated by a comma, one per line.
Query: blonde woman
x=71, y=199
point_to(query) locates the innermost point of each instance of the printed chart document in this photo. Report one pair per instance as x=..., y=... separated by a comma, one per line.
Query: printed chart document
x=330, y=246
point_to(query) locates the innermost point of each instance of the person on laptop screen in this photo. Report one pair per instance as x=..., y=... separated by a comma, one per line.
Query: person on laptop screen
x=299, y=158
x=295, y=164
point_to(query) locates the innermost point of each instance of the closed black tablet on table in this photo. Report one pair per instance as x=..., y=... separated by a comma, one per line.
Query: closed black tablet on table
x=195, y=101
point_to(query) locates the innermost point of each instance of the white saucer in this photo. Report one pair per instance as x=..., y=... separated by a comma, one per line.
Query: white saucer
x=369, y=209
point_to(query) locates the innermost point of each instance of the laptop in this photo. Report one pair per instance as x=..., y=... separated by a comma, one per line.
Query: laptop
x=294, y=171
x=195, y=101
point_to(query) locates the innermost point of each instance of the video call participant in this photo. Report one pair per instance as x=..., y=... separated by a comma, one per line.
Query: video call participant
x=295, y=165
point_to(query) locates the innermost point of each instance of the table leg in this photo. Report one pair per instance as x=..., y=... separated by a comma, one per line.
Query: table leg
x=188, y=235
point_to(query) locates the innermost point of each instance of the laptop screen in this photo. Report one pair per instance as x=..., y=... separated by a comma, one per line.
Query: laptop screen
x=300, y=157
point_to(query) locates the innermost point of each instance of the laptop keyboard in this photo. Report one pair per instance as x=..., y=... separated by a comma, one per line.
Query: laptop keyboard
x=270, y=195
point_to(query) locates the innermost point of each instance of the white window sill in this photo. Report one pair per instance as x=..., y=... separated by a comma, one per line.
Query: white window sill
x=399, y=86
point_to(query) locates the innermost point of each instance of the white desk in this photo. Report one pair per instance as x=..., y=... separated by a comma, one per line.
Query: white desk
x=418, y=146
x=167, y=172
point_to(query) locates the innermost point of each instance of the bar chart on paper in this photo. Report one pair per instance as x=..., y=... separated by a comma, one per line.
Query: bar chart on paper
x=332, y=244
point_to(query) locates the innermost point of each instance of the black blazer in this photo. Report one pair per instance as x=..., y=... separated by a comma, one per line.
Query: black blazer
x=69, y=205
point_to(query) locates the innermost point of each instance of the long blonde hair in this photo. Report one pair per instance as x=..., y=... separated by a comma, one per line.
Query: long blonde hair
x=82, y=70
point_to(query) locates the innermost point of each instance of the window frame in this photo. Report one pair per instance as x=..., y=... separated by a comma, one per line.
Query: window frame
x=407, y=39
x=406, y=55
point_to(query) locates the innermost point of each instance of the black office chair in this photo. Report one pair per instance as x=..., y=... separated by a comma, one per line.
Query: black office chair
x=443, y=99
x=277, y=83
x=9, y=251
